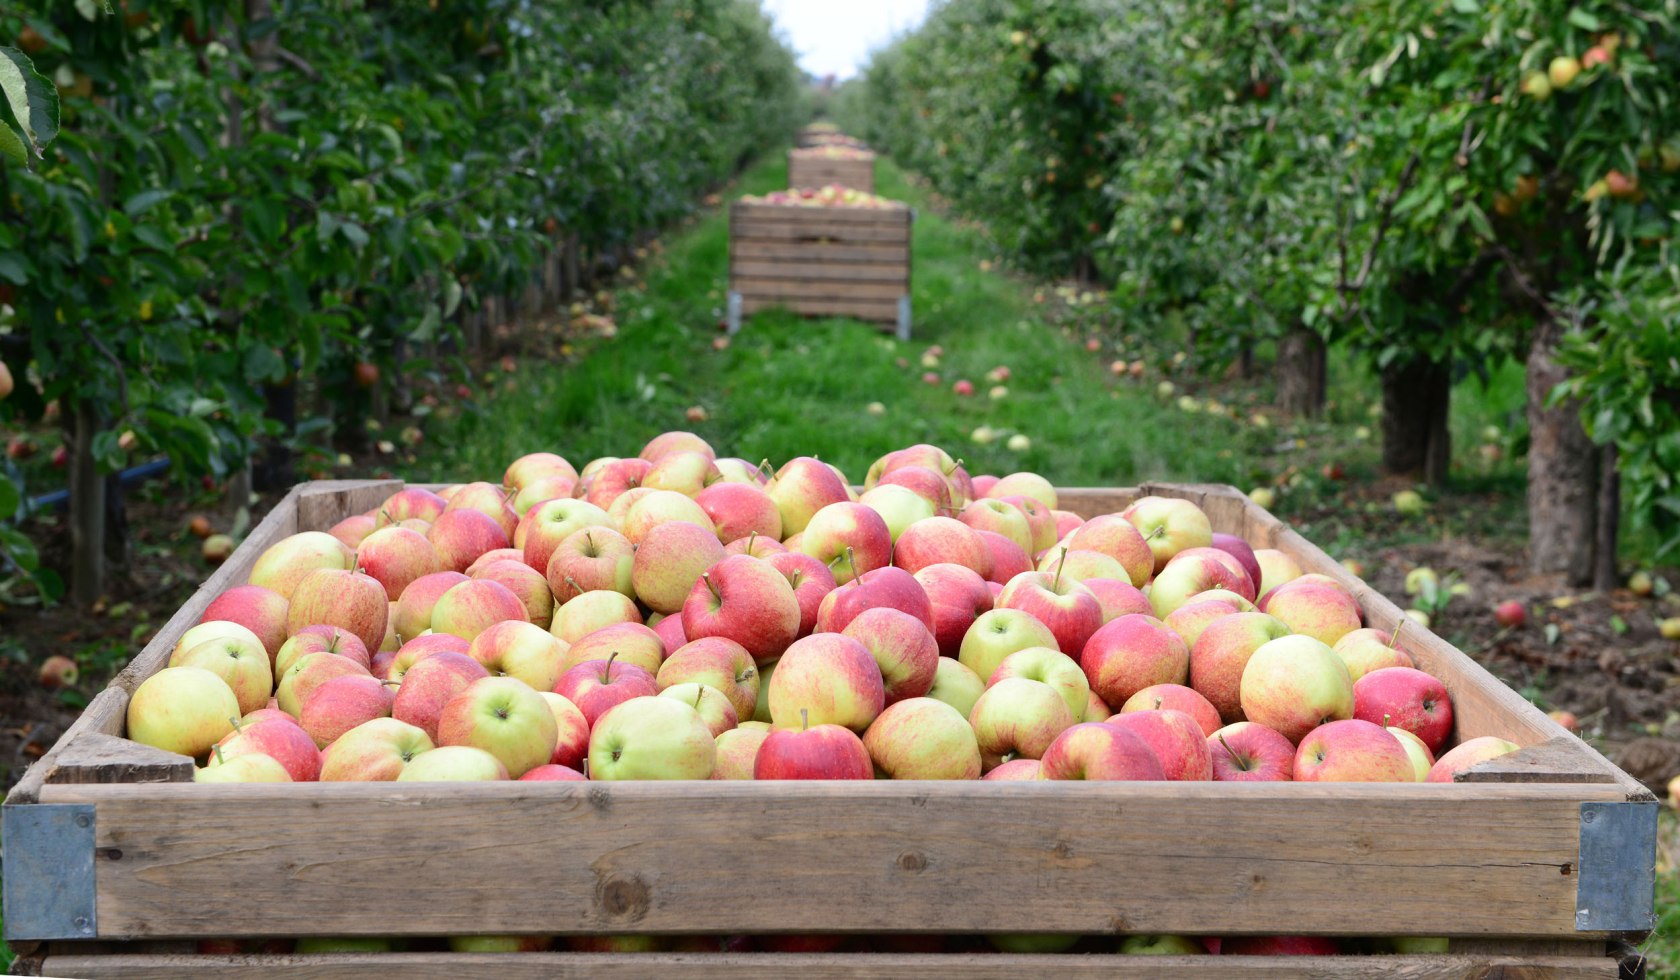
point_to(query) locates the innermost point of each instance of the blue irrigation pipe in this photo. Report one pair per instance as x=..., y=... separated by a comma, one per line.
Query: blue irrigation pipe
x=132, y=475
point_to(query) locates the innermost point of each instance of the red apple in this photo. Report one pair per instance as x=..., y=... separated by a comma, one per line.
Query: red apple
x=1325, y=612
x=937, y=540
x=549, y=523
x=614, y=479
x=1221, y=652
x=676, y=442
x=341, y=598
x=282, y=740
x=471, y=607
x=669, y=630
x=811, y=581
x=891, y=587
x=739, y=510
x=922, y=738
x=1511, y=614
x=290, y=560
x=503, y=717
x=353, y=529
x=1352, y=751
x=593, y=611
x=902, y=647
x=1008, y=558
x=1175, y=737
x=1466, y=754
x=532, y=467
x=553, y=772
x=1177, y=697
x=1280, y=946
x=407, y=503
x=957, y=596
x=1194, y=571
x=1000, y=517
x=599, y=685
x=461, y=536
x=718, y=662
x=341, y=704
x=429, y=684
x=524, y=582
x=850, y=538
x=801, y=488
x=820, y=752
x=414, y=607
x=928, y=483
x=1068, y=608
x=632, y=642
x=1130, y=654
x=1096, y=751
x=262, y=611
x=1018, y=770
x=1118, y=598
x=746, y=600
x=1246, y=752
x=1244, y=554
x=571, y=746
x=1405, y=698
x=418, y=649
x=378, y=750
x=826, y=678
x=1366, y=650
x=1119, y=539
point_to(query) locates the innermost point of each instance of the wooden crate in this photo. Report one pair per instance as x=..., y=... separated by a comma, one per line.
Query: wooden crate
x=815, y=261
x=809, y=169
x=824, y=134
x=1539, y=864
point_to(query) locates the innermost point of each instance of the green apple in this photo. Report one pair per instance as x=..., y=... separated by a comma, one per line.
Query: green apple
x=504, y=717
x=453, y=763
x=182, y=709
x=651, y=738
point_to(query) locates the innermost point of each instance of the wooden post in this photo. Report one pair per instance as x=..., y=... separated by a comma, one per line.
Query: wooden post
x=87, y=508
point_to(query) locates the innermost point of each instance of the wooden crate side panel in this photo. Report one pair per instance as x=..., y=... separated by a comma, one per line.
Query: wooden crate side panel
x=871, y=311
x=823, y=966
x=828, y=253
x=764, y=210
x=758, y=288
x=1094, y=858
x=806, y=270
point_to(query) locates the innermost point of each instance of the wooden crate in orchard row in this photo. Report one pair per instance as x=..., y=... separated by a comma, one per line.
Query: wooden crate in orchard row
x=824, y=134
x=1539, y=864
x=811, y=168
x=820, y=261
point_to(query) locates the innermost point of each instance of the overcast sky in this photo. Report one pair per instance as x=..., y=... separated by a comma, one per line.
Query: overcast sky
x=837, y=35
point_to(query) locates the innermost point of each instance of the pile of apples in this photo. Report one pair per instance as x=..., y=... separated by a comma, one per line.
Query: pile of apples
x=833, y=151
x=676, y=615
x=832, y=196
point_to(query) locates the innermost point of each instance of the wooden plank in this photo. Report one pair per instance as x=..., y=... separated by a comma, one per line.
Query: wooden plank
x=896, y=273
x=875, y=311
x=829, y=252
x=767, y=211
x=95, y=757
x=1089, y=502
x=105, y=714
x=668, y=858
x=1558, y=760
x=323, y=503
x=811, y=231
x=824, y=966
x=799, y=289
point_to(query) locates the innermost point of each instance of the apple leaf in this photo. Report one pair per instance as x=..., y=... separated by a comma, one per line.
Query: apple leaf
x=30, y=107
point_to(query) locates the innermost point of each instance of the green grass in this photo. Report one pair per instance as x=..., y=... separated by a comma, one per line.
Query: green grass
x=787, y=386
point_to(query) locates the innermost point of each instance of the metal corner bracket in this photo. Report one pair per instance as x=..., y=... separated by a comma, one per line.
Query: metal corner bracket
x=1616, y=888
x=49, y=874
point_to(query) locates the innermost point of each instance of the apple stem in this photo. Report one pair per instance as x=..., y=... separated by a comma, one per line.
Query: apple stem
x=805, y=719
x=707, y=578
x=584, y=764
x=332, y=645
x=851, y=559
x=1385, y=719
x=765, y=468
x=752, y=539
x=1395, y=636
x=1160, y=529
x=238, y=724
x=1056, y=583
x=1236, y=760
x=956, y=465
x=699, y=689
x=217, y=750
x=606, y=667
x=575, y=586
x=1157, y=704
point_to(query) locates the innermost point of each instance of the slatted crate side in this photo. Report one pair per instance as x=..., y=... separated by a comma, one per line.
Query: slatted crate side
x=884, y=312
x=664, y=858
x=826, y=966
x=810, y=171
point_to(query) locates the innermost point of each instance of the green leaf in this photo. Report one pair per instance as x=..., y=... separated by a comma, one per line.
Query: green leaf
x=21, y=550
x=31, y=103
x=1584, y=20
x=11, y=496
x=11, y=146
x=13, y=269
x=144, y=201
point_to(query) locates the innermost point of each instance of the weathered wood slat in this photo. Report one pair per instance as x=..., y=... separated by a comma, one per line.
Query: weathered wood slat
x=824, y=966
x=767, y=211
x=808, y=270
x=761, y=288
x=806, y=170
x=830, y=252
x=873, y=311
x=865, y=857
x=95, y=757
x=818, y=230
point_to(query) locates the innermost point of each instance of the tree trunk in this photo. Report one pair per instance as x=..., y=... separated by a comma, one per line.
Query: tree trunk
x=1605, y=575
x=1417, y=398
x=1300, y=366
x=274, y=469
x=1563, y=479
x=87, y=509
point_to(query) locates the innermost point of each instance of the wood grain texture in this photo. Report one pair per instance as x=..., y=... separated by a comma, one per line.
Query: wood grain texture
x=1558, y=760
x=842, y=274
x=831, y=253
x=760, y=288
x=106, y=714
x=669, y=857
x=1089, y=502
x=323, y=503
x=764, y=210
x=825, y=966
x=805, y=170
x=95, y=757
